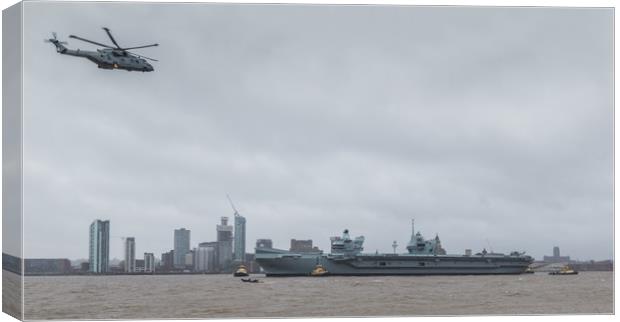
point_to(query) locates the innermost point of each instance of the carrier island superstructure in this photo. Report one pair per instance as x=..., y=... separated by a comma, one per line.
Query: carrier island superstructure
x=424, y=257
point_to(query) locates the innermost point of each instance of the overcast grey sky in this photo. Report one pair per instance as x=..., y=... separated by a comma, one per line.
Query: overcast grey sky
x=486, y=125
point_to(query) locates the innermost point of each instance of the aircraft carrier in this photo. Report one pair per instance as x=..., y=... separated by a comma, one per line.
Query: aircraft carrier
x=424, y=257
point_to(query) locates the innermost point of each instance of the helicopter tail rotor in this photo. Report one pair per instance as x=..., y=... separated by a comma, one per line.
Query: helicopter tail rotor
x=55, y=40
x=59, y=44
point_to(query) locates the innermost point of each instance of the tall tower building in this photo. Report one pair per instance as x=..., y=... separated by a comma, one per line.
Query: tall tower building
x=130, y=254
x=239, y=238
x=99, y=246
x=181, y=246
x=556, y=251
x=224, y=241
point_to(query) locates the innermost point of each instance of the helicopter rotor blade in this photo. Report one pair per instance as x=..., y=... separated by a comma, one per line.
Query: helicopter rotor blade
x=90, y=41
x=153, y=59
x=153, y=45
x=111, y=38
x=54, y=34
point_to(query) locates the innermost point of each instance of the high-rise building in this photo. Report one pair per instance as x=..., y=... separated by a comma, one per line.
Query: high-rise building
x=99, y=246
x=224, y=241
x=130, y=255
x=224, y=231
x=181, y=246
x=239, y=238
x=264, y=243
x=556, y=251
x=149, y=262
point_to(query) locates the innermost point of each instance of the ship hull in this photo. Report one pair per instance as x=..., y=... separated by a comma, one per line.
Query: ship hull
x=284, y=264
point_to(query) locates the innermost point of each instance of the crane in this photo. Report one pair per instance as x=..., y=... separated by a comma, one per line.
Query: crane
x=232, y=205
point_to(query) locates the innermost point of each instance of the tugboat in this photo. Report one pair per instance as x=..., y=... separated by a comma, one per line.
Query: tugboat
x=241, y=271
x=566, y=270
x=319, y=270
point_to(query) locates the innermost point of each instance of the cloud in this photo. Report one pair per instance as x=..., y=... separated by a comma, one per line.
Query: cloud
x=481, y=123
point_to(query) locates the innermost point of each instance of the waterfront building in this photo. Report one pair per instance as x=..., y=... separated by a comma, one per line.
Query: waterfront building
x=606, y=265
x=205, y=259
x=224, y=243
x=239, y=238
x=167, y=261
x=117, y=269
x=252, y=265
x=130, y=255
x=181, y=246
x=189, y=260
x=264, y=243
x=149, y=262
x=99, y=246
x=303, y=246
x=47, y=266
x=214, y=259
x=556, y=258
x=139, y=268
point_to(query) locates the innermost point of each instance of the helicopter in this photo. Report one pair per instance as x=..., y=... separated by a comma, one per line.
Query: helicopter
x=108, y=57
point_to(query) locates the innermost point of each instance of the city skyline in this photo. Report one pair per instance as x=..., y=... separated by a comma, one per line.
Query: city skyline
x=490, y=126
x=300, y=245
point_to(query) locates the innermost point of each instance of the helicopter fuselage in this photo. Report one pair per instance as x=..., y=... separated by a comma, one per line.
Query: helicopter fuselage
x=109, y=58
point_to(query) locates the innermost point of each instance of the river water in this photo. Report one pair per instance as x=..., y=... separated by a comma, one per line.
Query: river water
x=219, y=296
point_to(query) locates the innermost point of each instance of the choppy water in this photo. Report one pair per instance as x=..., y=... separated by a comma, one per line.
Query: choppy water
x=213, y=296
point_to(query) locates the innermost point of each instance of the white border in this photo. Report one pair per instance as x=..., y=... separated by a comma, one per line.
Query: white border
x=509, y=3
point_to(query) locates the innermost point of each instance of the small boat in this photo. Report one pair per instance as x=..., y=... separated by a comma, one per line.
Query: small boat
x=529, y=270
x=566, y=270
x=241, y=271
x=249, y=280
x=319, y=270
